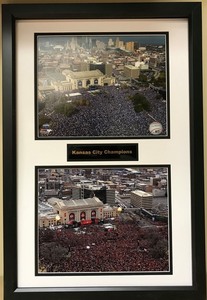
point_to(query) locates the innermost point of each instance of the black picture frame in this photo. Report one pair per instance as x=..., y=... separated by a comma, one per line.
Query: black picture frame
x=190, y=11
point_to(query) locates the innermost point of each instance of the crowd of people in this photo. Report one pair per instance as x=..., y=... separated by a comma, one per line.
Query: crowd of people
x=110, y=113
x=125, y=248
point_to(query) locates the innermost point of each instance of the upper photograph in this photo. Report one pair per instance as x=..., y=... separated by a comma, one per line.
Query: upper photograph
x=101, y=86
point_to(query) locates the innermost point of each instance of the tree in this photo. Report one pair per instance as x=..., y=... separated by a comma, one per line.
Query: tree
x=160, y=249
x=160, y=81
x=140, y=103
x=142, y=77
x=46, y=235
x=66, y=109
x=43, y=120
x=51, y=255
x=41, y=105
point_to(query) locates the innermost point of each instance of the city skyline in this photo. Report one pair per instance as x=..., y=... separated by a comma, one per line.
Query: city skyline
x=144, y=39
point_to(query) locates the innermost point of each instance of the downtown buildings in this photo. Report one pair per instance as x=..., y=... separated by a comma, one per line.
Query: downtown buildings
x=94, y=194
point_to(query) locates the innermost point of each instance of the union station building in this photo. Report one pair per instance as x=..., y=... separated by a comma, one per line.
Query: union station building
x=83, y=79
x=68, y=81
x=65, y=211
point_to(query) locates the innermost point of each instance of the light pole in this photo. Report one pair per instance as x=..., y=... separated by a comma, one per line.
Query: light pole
x=119, y=210
x=57, y=218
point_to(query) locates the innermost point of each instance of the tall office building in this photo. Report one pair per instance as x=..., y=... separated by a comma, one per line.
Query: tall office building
x=141, y=199
x=105, y=68
x=131, y=71
x=129, y=46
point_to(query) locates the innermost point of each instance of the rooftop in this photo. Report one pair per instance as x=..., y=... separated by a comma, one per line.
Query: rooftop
x=141, y=193
x=83, y=74
x=73, y=204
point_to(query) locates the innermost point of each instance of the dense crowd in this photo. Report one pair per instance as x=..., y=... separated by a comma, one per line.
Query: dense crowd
x=126, y=248
x=110, y=113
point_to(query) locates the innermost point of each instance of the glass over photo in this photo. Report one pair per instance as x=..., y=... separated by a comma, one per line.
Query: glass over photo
x=102, y=86
x=103, y=220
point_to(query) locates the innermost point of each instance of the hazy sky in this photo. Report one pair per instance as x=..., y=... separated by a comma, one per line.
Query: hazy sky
x=142, y=39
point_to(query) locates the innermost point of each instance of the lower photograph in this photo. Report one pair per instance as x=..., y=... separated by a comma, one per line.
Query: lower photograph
x=103, y=220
